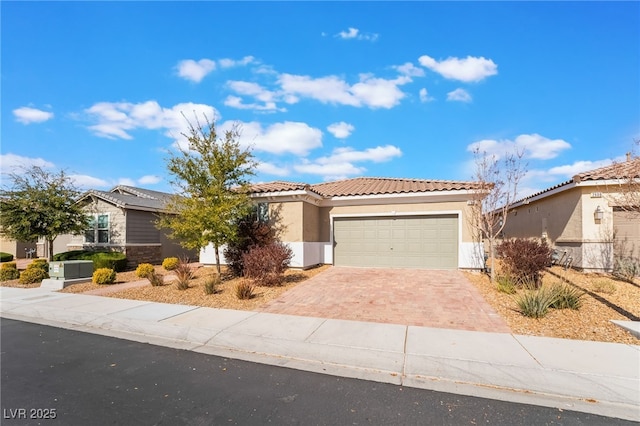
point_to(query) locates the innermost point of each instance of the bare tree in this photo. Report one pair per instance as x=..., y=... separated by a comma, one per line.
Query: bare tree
x=624, y=191
x=496, y=191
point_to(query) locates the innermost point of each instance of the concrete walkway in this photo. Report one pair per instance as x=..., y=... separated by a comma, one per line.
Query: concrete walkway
x=594, y=377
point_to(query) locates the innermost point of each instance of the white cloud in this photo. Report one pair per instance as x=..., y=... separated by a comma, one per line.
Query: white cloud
x=116, y=119
x=424, y=96
x=195, y=70
x=279, y=138
x=229, y=63
x=340, y=163
x=459, y=95
x=89, y=182
x=236, y=102
x=469, y=69
x=341, y=130
x=409, y=69
x=272, y=169
x=354, y=33
x=369, y=91
x=533, y=146
x=149, y=180
x=27, y=115
x=10, y=163
x=267, y=97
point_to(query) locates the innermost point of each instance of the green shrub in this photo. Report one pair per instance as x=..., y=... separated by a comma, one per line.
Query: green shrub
x=525, y=258
x=155, y=279
x=505, y=284
x=566, y=297
x=33, y=275
x=9, y=265
x=144, y=270
x=184, y=274
x=39, y=264
x=112, y=260
x=170, y=263
x=7, y=274
x=211, y=284
x=5, y=257
x=245, y=290
x=104, y=276
x=101, y=259
x=535, y=303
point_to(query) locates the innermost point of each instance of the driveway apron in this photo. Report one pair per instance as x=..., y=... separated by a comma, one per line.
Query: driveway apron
x=420, y=297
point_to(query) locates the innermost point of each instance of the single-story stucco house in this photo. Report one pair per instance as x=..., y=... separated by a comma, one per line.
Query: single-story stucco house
x=366, y=221
x=123, y=219
x=588, y=217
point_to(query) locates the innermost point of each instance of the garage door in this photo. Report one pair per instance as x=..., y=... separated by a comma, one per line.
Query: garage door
x=397, y=242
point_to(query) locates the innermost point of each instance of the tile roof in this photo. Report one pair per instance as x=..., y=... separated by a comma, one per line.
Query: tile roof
x=366, y=186
x=623, y=170
x=277, y=186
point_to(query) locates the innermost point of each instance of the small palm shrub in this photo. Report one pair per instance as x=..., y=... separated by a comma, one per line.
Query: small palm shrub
x=33, y=275
x=184, y=274
x=155, y=279
x=535, y=303
x=525, y=258
x=211, y=284
x=266, y=264
x=144, y=270
x=505, y=284
x=566, y=297
x=9, y=271
x=104, y=276
x=245, y=290
x=5, y=257
x=170, y=263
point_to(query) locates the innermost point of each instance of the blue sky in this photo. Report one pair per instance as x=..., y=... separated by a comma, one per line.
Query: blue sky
x=322, y=91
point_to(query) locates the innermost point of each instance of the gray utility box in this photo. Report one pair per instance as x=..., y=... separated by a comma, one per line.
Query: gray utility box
x=71, y=269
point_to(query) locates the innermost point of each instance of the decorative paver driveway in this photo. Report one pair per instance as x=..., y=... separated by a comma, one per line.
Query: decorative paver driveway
x=429, y=298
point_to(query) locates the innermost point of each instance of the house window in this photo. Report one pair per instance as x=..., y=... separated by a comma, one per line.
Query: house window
x=260, y=212
x=98, y=231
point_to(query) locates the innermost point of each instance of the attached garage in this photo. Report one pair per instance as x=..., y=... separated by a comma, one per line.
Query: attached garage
x=429, y=241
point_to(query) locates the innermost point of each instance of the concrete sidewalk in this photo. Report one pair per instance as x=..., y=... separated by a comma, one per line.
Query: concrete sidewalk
x=594, y=377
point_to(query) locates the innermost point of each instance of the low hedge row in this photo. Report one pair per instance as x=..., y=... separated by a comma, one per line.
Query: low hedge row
x=101, y=259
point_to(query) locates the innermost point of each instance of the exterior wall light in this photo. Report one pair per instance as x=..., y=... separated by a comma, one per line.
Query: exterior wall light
x=598, y=214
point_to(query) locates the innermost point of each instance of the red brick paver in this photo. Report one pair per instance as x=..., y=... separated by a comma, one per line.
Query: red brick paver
x=429, y=298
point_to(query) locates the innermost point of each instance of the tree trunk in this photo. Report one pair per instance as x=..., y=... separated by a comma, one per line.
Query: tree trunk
x=217, y=259
x=492, y=253
x=50, y=253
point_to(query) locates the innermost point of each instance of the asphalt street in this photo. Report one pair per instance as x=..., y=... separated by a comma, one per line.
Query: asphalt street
x=54, y=376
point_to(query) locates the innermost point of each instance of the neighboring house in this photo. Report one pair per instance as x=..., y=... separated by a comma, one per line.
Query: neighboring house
x=123, y=219
x=366, y=221
x=19, y=249
x=588, y=217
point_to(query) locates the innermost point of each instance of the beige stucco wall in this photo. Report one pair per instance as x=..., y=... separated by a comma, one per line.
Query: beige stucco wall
x=558, y=216
x=16, y=248
x=300, y=221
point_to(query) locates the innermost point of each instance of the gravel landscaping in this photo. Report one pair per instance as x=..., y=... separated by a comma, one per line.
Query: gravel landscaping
x=605, y=299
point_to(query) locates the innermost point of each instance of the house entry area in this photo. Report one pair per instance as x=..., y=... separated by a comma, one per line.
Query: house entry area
x=426, y=241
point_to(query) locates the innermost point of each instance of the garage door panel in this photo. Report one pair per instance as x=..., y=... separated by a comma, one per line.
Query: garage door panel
x=415, y=242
